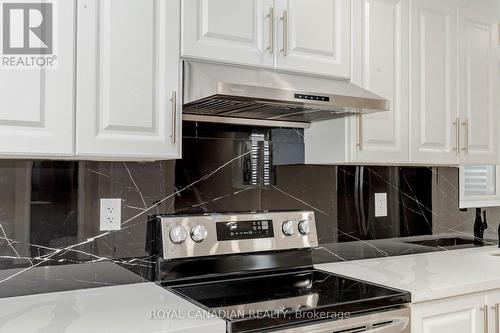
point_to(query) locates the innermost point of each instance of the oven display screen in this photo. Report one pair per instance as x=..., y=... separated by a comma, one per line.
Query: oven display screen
x=234, y=230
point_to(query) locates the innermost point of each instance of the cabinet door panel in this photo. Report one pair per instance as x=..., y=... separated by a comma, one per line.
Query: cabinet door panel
x=461, y=314
x=478, y=86
x=228, y=30
x=433, y=82
x=380, y=56
x=128, y=67
x=37, y=105
x=317, y=36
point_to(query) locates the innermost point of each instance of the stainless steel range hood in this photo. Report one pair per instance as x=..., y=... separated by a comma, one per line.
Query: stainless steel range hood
x=228, y=94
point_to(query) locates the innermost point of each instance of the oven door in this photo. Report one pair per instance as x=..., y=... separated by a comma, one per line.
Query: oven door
x=396, y=321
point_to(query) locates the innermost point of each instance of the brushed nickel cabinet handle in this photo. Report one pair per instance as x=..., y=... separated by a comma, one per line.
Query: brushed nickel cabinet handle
x=456, y=123
x=173, y=100
x=497, y=318
x=485, y=318
x=284, y=18
x=270, y=16
x=468, y=135
x=466, y=125
x=360, y=133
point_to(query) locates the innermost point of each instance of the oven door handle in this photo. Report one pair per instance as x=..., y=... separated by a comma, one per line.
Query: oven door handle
x=394, y=325
x=397, y=322
x=397, y=325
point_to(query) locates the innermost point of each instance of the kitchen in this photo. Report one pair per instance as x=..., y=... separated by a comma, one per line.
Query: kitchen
x=250, y=166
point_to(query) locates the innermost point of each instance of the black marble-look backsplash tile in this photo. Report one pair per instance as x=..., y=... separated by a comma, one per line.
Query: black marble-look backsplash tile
x=50, y=205
x=49, y=210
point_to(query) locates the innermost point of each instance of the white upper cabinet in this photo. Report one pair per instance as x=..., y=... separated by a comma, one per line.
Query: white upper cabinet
x=313, y=36
x=433, y=82
x=435, y=62
x=380, y=64
x=307, y=36
x=478, y=87
x=37, y=105
x=230, y=31
x=128, y=71
x=453, y=84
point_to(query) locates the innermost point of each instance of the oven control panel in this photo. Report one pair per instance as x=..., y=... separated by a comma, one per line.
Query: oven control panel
x=220, y=234
x=234, y=230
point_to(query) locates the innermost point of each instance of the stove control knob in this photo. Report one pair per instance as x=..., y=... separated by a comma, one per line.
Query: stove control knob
x=304, y=227
x=199, y=233
x=178, y=234
x=287, y=228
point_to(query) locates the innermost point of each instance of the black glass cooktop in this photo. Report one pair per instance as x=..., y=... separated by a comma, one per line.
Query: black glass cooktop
x=260, y=302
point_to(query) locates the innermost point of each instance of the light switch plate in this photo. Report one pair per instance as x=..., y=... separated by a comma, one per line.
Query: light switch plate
x=380, y=204
x=110, y=214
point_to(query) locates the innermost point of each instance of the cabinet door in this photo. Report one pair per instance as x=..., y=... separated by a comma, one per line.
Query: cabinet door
x=128, y=68
x=37, y=105
x=478, y=87
x=239, y=32
x=380, y=58
x=433, y=82
x=314, y=36
x=462, y=314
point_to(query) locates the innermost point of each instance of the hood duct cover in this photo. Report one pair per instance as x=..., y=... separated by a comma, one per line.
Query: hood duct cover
x=220, y=93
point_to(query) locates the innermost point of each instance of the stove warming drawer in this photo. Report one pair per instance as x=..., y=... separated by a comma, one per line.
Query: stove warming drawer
x=394, y=321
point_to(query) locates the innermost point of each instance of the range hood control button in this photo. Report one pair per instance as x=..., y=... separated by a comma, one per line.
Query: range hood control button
x=178, y=234
x=304, y=227
x=199, y=233
x=287, y=228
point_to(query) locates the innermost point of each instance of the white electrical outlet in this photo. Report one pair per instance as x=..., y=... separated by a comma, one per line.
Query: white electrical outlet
x=111, y=214
x=380, y=204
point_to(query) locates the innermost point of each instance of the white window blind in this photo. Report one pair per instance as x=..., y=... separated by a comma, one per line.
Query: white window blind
x=479, y=180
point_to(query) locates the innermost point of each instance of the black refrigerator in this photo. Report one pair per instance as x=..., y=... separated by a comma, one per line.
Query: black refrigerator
x=409, y=202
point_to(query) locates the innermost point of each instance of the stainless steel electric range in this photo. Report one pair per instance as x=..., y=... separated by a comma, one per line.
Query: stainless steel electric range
x=254, y=270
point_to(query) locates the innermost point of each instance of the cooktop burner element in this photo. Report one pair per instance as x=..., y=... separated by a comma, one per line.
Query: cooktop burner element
x=255, y=271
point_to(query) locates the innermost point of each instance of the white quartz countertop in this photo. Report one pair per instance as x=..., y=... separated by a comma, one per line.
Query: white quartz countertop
x=429, y=276
x=141, y=307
